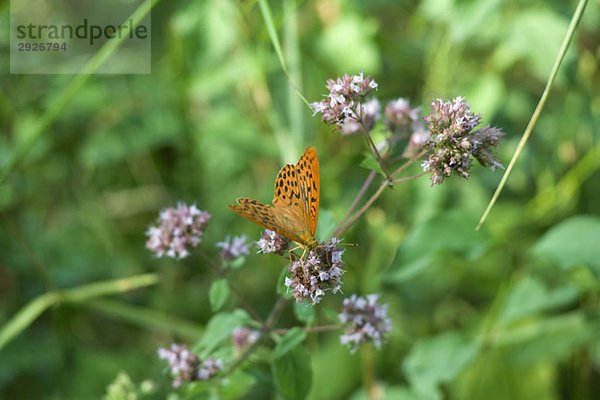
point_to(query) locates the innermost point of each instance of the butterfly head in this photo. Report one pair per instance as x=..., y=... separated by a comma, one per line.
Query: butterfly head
x=309, y=242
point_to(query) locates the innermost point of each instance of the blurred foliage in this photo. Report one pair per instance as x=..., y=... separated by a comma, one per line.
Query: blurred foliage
x=507, y=312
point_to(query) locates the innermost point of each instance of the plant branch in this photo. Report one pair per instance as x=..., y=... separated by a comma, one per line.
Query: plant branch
x=358, y=197
x=364, y=208
x=408, y=178
x=376, y=153
x=311, y=329
x=237, y=294
x=266, y=328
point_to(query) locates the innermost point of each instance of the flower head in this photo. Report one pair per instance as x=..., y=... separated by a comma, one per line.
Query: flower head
x=403, y=122
x=400, y=115
x=185, y=366
x=272, y=242
x=233, y=248
x=320, y=271
x=345, y=105
x=453, y=141
x=178, y=230
x=243, y=337
x=365, y=321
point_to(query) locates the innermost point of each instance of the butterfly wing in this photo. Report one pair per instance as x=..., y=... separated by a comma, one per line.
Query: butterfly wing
x=264, y=215
x=307, y=173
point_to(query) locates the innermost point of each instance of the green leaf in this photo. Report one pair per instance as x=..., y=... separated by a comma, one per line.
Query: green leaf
x=237, y=262
x=438, y=359
x=326, y=225
x=370, y=162
x=571, y=243
x=219, y=328
x=292, y=339
x=550, y=339
x=218, y=294
x=293, y=374
x=451, y=232
x=529, y=296
x=304, y=312
x=330, y=315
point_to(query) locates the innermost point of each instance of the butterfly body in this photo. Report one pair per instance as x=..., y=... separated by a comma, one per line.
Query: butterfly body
x=295, y=208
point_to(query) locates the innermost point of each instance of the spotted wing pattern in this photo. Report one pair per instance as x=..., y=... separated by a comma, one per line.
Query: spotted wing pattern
x=265, y=215
x=295, y=204
x=307, y=171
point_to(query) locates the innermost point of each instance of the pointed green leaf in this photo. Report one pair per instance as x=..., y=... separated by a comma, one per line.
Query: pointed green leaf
x=218, y=294
x=293, y=374
x=291, y=340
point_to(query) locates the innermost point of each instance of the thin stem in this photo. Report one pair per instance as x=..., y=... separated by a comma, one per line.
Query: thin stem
x=358, y=197
x=342, y=227
x=376, y=152
x=408, y=178
x=277, y=308
x=561, y=54
x=274, y=314
x=369, y=373
x=311, y=329
x=364, y=208
x=409, y=162
x=237, y=294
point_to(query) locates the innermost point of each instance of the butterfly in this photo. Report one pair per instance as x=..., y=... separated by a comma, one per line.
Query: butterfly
x=295, y=206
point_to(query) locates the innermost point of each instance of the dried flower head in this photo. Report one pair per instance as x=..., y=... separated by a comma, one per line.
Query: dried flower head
x=453, y=141
x=211, y=367
x=345, y=105
x=403, y=122
x=185, y=366
x=178, y=230
x=418, y=139
x=365, y=321
x=272, y=242
x=320, y=271
x=233, y=248
x=400, y=116
x=243, y=337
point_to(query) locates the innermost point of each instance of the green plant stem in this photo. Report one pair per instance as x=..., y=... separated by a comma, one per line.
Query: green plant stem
x=236, y=292
x=561, y=55
x=30, y=137
x=22, y=319
x=342, y=227
x=311, y=329
x=358, y=197
x=409, y=178
x=376, y=153
x=364, y=208
x=147, y=317
x=265, y=10
x=369, y=372
x=266, y=328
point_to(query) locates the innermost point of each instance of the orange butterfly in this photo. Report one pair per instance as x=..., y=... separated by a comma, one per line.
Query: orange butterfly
x=295, y=206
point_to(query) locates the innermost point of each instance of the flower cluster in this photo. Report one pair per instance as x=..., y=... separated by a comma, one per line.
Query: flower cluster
x=233, y=248
x=320, y=271
x=242, y=337
x=453, y=141
x=403, y=122
x=400, y=115
x=272, y=242
x=186, y=366
x=365, y=321
x=345, y=105
x=178, y=230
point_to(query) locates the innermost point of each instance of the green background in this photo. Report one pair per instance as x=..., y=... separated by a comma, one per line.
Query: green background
x=509, y=312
